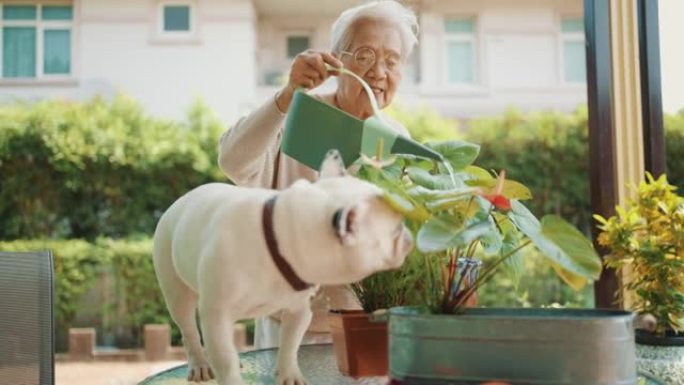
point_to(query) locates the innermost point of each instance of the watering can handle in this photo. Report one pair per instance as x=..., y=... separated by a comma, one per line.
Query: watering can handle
x=366, y=87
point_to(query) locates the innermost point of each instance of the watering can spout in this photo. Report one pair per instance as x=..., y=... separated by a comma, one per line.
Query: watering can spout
x=407, y=146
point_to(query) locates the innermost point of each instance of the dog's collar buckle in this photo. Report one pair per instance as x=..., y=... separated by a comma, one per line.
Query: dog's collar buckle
x=272, y=243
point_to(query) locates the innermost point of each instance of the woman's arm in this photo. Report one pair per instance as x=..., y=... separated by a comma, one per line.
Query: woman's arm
x=244, y=148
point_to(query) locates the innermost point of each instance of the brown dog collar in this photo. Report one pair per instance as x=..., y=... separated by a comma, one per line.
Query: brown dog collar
x=269, y=235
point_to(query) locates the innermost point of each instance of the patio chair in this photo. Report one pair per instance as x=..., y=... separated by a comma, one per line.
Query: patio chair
x=26, y=318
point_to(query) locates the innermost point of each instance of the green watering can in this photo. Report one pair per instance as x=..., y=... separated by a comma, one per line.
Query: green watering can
x=312, y=128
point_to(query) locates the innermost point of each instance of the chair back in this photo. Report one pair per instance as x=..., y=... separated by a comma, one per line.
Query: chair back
x=26, y=318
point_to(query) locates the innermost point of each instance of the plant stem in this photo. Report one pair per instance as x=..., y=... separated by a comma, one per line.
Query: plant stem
x=486, y=275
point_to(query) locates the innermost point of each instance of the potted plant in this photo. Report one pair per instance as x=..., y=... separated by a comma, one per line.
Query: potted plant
x=462, y=213
x=645, y=239
x=360, y=336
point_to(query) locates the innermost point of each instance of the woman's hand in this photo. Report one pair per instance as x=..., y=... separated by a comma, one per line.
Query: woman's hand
x=308, y=71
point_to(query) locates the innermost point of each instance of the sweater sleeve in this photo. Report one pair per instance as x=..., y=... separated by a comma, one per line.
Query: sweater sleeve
x=244, y=149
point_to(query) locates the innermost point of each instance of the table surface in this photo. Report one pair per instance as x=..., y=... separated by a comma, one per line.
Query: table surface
x=317, y=363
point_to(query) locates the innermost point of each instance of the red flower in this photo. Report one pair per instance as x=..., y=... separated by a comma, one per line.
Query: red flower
x=496, y=198
x=499, y=201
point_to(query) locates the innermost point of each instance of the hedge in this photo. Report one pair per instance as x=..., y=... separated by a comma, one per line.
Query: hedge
x=549, y=152
x=83, y=170
x=78, y=264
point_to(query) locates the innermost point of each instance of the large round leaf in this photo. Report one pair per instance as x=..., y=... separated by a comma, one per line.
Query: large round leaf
x=511, y=189
x=423, y=178
x=438, y=235
x=460, y=154
x=559, y=241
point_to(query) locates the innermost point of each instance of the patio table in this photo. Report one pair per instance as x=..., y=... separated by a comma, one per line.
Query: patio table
x=317, y=363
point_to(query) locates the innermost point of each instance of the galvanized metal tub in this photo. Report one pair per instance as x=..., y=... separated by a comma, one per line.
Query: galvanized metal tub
x=516, y=346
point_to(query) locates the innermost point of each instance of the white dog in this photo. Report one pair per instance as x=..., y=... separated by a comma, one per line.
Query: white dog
x=237, y=253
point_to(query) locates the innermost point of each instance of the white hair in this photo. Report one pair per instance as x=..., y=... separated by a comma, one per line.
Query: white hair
x=389, y=11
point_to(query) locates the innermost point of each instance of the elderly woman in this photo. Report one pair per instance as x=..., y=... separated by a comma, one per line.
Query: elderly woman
x=372, y=40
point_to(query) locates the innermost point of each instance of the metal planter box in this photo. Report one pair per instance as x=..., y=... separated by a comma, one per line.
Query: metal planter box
x=516, y=346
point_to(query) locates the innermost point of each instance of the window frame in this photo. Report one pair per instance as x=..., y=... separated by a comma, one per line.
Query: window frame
x=41, y=26
x=191, y=35
x=563, y=37
x=470, y=37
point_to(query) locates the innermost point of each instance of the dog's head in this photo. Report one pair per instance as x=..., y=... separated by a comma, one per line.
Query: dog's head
x=339, y=230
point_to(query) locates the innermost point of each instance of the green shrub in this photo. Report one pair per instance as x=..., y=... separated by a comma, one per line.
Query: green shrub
x=674, y=149
x=548, y=152
x=423, y=122
x=83, y=170
x=76, y=265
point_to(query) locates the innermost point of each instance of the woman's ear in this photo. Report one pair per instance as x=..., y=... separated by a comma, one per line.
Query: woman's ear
x=332, y=166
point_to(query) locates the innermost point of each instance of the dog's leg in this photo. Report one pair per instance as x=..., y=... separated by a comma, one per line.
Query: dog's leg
x=182, y=304
x=217, y=329
x=293, y=327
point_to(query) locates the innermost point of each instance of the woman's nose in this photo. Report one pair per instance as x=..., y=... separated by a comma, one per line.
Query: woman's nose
x=378, y=70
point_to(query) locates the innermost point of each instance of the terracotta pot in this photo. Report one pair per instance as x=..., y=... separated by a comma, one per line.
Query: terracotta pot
x=360, y=344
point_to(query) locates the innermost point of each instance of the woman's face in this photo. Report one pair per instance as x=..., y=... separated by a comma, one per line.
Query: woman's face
x=384, y=75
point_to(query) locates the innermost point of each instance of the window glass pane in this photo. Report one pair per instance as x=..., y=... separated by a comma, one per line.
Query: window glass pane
x=176, y=18
x=19, y=12
x=459, y=26
x=57, y=52
x=572, y=25
x=296, y=44
x=460, y=62
x=574, y=62
x=57, y=12
x=18, y=52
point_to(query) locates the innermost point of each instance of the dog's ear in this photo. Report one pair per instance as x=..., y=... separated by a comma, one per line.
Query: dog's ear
x=332, y=166
x=347, y=221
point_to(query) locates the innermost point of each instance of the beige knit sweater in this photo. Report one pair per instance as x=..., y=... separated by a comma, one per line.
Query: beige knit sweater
x=247, y=155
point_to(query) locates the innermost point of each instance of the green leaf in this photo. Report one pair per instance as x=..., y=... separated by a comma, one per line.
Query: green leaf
x=438, y=234
x=514, y=264
x=492, y=241
x=459, y=153
x=478, y=172
x=511, y=189
x=406, y=208
x=558, y=241
x=423, y=178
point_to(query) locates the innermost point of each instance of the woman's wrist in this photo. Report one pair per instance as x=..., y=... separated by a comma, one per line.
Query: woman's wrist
x=283, y=98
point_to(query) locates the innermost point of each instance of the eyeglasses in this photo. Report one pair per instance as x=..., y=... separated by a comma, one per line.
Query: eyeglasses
x=366, y=57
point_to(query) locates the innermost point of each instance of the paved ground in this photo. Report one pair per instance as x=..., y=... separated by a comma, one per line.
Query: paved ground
x=108, y=373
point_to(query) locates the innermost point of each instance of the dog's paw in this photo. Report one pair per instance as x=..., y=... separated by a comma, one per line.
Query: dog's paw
x=290, y=377
x=200, y=372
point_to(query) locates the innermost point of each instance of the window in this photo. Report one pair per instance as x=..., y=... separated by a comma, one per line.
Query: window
x=176, y=20
x=572, y=37
x=296, y=44
x=460, y=50
x=36, y=40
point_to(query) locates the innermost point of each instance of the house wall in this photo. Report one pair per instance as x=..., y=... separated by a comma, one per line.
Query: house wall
x=117, y=47
x=518, y=57
x=240, y=44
